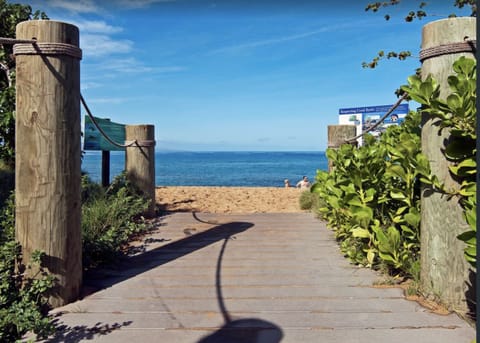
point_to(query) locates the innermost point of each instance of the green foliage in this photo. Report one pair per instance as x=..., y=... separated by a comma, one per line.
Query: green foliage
x=412, y=15
x=308, y=200
x=7, y=220
x=23, y=299
x=23, y=292
x=10, y=16
x=457, y=113
x=372, y=198
x=109, y=219
x=402, y=55
x=7, y=182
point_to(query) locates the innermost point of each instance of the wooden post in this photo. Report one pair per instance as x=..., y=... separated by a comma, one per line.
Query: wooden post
x=47, y=184
x=140, y=161
x=105, y=168
x=444, y=271
x=337, y=134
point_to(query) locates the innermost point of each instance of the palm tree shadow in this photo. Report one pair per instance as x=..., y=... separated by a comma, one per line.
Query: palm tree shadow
x=244, y=330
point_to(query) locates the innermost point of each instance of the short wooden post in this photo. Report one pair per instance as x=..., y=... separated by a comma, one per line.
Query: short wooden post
x=47, y=184
x=140, y=161
x=105, y=168
x=337, y=135
x=444, y=271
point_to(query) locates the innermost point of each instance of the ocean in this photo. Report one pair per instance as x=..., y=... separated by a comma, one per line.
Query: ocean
x=243, y=169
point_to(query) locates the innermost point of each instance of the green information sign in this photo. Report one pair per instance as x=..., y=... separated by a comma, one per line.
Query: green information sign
x=94, y=140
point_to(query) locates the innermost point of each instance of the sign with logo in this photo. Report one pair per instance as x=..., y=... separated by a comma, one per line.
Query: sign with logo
x=366, y=117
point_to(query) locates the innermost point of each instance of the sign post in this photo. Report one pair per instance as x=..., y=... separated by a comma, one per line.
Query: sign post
x=94, y=140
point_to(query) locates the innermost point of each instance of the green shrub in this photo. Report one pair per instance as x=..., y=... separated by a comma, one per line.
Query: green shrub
x=371, y=199
x=23, y=300
x=90, y=190
x=308, y=200
x=109, y=219
x=7, y=182
x=458, y=114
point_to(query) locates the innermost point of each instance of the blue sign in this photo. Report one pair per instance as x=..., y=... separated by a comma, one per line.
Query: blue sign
x=402, y=108
x=94, y=140
x=368, y=117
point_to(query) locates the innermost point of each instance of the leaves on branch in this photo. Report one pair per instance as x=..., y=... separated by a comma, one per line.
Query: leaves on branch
x=410, y=17
x=402, y=55
x=420, y=13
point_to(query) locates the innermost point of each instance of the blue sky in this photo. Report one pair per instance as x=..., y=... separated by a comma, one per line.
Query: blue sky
x=238, y=75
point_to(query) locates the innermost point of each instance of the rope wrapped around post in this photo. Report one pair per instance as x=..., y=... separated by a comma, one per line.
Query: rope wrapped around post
x=51, y=49
x=33, y=47
x=139, y=143
x=451, y=48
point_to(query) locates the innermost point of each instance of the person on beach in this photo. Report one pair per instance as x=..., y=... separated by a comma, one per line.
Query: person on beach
x=287, y=183
x=303, y=183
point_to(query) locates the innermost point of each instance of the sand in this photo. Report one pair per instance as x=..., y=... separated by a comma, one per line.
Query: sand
x=229, y=199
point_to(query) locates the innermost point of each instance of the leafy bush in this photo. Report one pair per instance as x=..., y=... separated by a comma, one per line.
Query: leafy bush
x=372, y=198
x=458, y=114
x=308, y=200
x=7, y=182
x=23, y=300
x=109, y=219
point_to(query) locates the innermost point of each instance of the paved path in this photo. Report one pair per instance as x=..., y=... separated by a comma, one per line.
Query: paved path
x=247, y=278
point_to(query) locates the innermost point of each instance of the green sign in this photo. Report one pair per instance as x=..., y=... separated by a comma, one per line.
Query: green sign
x=94, y=139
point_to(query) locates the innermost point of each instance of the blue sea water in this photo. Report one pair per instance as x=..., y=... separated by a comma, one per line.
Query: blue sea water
x=248, y=169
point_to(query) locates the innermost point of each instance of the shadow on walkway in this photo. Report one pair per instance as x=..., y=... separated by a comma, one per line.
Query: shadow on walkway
x=244, y=330
x=98, y=279
x=234, y=330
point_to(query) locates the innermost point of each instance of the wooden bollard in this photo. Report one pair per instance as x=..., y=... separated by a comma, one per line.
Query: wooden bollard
x=444, y=271
x=140, y=161
x=47, y=168
x=337, y=135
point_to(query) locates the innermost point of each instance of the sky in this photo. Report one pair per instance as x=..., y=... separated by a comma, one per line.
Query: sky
x=239, y=75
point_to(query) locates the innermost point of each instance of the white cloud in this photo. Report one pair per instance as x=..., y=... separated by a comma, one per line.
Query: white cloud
x=125, y=65
x=273, y=41
x=172, y=69
x=107, y=100
x=95, y=45
x=90, y=85
x=140, y=3
x=79, y=6
x=97, y=26
x=131, y=65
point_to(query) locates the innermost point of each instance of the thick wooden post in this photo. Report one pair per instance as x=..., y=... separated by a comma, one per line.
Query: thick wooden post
x=444, y=271
x=140, y=161
x=337, y=134
x=47, y=184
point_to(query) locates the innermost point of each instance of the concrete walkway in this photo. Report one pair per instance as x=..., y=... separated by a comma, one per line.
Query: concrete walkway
x=266, y=278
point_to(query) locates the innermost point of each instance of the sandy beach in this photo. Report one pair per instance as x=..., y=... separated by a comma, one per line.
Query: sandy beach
x=229, y=199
